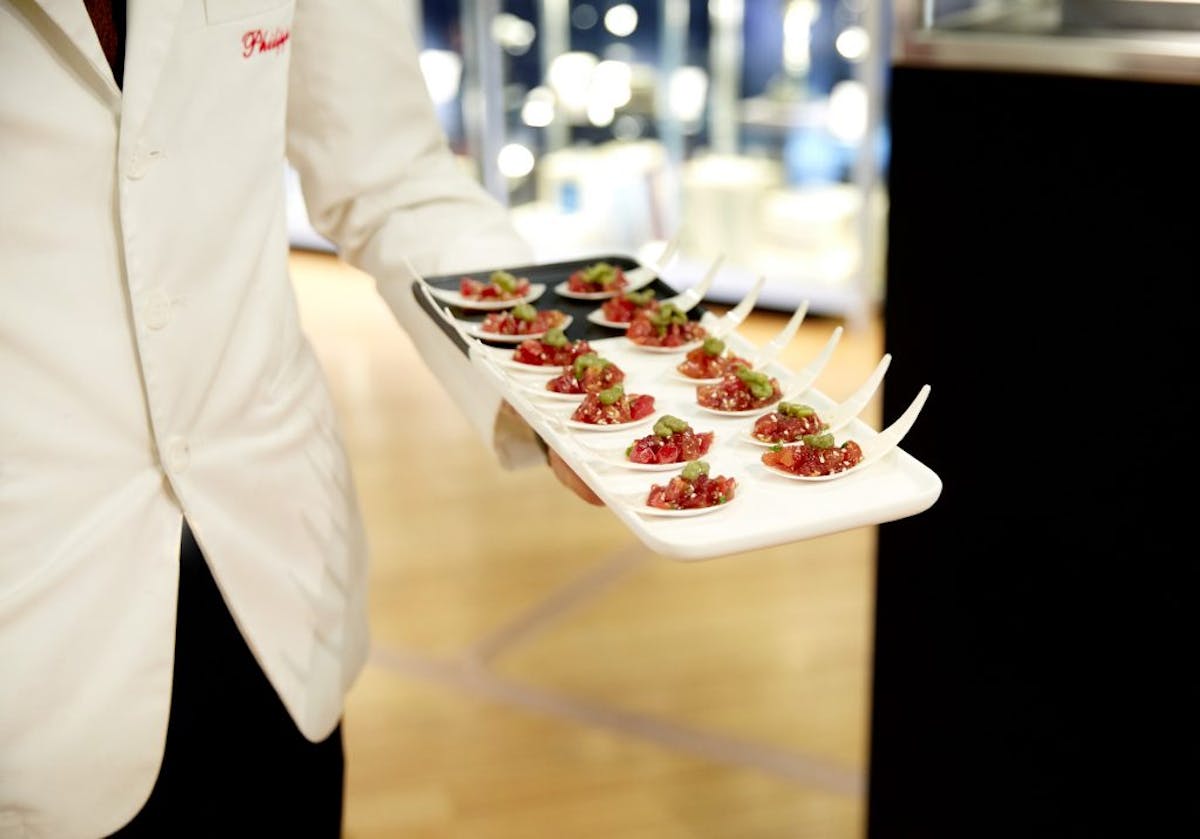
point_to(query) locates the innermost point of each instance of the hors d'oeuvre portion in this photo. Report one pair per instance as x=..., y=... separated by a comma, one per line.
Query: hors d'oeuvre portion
x=790, y=422
x=665, y=326
x=553, y=349
x=523, y=319
x=588, y=373
x=613, y=407
x=597, y=278
x=623, y=307
x=816, y=455
x=691, y=489
x=672, y=441
x=742, y=390
x=501, y=285
x=710, y=360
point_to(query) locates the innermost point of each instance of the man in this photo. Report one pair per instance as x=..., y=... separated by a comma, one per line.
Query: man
x=182, y=565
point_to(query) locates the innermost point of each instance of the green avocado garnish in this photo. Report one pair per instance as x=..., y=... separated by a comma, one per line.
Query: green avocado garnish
x=795, y=409
x=555, y=337
x=611, y=396
x=503, y=279
x=523, y=311
x=759, y=384
x=668, y=425
x=818, y=441
x=694, y=470
x=666, y=315
x=587, y=361
x=600, y=273
x=713, y=346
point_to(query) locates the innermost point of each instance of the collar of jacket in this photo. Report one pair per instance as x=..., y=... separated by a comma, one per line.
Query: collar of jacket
x=150, y=31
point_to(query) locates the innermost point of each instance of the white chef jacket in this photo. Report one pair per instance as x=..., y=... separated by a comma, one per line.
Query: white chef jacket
x=152, y=363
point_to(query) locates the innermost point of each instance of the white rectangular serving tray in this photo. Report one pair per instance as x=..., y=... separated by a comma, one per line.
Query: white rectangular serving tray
x=768, y=509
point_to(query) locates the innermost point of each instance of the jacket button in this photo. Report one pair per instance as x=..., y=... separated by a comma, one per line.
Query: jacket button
x=140, y=162
x=157, y=312
x=179, y=455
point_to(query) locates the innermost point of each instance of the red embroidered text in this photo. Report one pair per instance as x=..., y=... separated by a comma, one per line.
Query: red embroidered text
x=260, y=40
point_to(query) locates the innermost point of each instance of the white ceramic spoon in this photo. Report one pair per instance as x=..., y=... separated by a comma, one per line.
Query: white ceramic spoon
x=538, y=391
x=475, y=330
x=638, y=505
x=808, y=374
x=795, y=385
x=646, y=274
x=472, y=330
x=565, y=421
x=454, y=298
x=684, y=301
x=720, y=327
x=770, y=351
x=840, y=415
x=616, y=459
x=635, y=278
x=637, y=502
x=761, y=357
x=874, y=448
x=687, y=299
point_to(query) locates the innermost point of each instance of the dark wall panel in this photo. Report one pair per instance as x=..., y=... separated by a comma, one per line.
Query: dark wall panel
x=1043, y=257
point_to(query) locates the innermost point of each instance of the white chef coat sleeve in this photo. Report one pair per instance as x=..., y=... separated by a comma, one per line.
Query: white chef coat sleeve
x=380, y=181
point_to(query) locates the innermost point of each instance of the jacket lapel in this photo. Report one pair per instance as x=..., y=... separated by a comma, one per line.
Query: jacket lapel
x=150, y=35
x=72, y=19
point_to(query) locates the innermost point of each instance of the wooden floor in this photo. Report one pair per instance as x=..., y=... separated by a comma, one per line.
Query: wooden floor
x=536, y=673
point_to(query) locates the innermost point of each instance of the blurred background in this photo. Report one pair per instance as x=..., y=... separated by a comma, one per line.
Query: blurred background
x=963, y=183
x=537, y=672
x=752, y=129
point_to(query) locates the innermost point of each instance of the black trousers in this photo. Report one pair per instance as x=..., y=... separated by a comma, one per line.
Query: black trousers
x=235, y=763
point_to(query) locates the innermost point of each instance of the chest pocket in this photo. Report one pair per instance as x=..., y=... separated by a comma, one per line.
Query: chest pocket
x=227, y=11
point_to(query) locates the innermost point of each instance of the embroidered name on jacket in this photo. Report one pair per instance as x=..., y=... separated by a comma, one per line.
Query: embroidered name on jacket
x=260, y=40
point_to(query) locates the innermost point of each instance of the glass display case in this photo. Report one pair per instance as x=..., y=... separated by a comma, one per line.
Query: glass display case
x=1152, y=40
x=750, y=129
